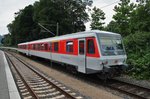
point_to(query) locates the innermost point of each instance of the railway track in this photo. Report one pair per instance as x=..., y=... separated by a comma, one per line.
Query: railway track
x=130, y=89
x=127, y=88
x=34, y=85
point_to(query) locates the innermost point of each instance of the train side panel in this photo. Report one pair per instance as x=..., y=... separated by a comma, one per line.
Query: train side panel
x=23, y=48
x=89, y=52
x=67, y=51
x=42, y=54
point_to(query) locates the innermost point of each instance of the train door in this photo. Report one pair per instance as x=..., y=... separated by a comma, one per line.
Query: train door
x=82, y=55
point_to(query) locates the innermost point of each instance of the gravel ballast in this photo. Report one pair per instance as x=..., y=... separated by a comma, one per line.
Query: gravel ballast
x=142, y=83
x=76, y=84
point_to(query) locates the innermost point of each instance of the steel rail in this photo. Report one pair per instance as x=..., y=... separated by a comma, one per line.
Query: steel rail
x=113, y=81
x=131, y=93
x=22, y=78
x=58, y=88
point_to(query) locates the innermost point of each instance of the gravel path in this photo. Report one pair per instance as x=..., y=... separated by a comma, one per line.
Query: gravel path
x=82, y=87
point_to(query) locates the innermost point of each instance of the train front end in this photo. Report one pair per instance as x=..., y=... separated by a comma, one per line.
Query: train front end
x=113, y=55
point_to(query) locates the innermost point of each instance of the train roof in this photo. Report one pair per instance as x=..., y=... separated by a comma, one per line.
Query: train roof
x=73, y=35
x=23, y=43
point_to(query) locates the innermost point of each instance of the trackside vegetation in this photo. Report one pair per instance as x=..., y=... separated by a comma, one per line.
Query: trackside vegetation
x=131, y=20
x=138, y=52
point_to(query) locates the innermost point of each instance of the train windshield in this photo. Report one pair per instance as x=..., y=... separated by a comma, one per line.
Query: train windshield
x=111, y=46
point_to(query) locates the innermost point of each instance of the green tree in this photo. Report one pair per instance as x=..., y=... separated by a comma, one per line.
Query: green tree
x=122, y=17
x=21, y=28
x=98, y=16
x=0, y=38
x=138, y=52
x=70, y=14
x=112, y=26
x=6, y=41
x=140, y=18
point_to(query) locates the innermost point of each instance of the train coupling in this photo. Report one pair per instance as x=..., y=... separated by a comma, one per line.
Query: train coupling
x=112, y=71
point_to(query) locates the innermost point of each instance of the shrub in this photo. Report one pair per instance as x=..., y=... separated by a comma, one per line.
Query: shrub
x=138, y=51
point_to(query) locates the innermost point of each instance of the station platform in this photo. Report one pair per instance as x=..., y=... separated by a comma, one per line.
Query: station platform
x=8, y=89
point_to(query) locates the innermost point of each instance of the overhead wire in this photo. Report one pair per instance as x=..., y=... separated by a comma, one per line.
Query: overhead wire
x=109, y=4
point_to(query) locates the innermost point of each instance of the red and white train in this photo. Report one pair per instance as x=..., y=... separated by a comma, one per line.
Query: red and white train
x=88, y=52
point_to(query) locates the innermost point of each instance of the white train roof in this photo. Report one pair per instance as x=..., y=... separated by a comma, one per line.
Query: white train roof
x=73, y=35
x=23, y=43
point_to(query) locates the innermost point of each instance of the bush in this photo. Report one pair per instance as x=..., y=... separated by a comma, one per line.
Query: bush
x=138, y=51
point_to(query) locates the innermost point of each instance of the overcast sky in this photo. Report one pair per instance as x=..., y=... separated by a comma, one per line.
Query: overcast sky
x=9, y=7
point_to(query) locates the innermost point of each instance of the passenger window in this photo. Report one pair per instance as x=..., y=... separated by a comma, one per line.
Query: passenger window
x=39, y=46
x=34, y=46
x=81, y=47
x=69, y=46
x=46, y=47
x=90, y=46
x=56, y=46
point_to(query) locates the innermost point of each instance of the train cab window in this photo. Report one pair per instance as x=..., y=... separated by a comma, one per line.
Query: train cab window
x=69, y=46
x=90, y=46
x=56, y=46
x=81, y=47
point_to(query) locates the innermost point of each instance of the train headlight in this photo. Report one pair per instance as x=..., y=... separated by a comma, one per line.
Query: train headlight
x=105, y=63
